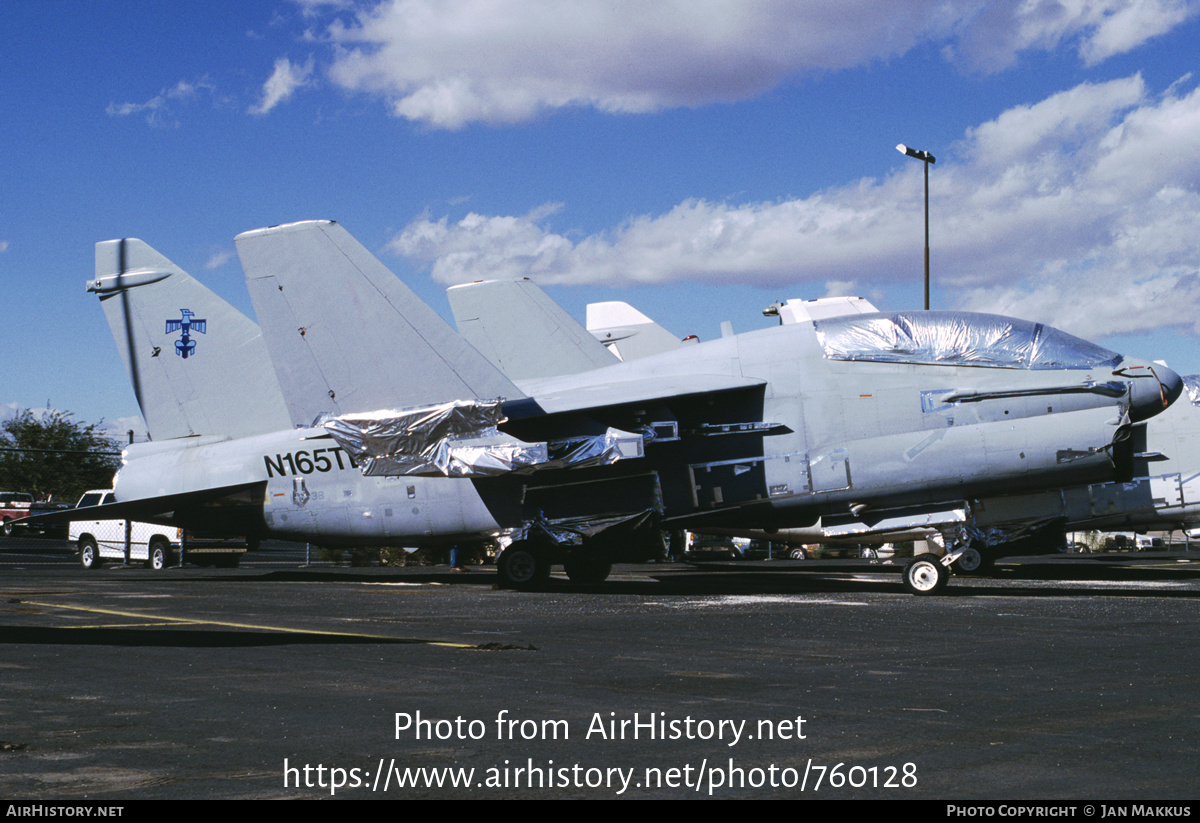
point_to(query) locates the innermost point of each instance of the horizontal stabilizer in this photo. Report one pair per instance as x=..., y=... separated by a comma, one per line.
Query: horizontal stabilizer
x=148, y=509
x=345, y=335
x=522, y=331
x=198, y=365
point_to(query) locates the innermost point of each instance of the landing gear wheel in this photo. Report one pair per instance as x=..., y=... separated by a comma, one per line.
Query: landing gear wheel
x=925, y=574
x=972, y=561
x=522, y=567
x=587, y=570
x=158, y=556
x=89, y=554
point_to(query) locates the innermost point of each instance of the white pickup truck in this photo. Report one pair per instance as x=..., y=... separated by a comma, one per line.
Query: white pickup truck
x=100, y=540
x=155, y=546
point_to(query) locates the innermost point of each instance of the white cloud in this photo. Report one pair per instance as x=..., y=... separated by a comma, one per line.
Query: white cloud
x=282, y=84
x=1098, y=29
x=3, y=246
x=1079, y=210
x=1122, y=26
x=218, y=259
x=158, y=109
x=118, y=429
x=447, y=64
x=312, y=8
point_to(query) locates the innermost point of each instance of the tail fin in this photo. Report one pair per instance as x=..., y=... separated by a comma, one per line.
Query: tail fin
x=346, y=335
x=198, y=365
x=628, y=333
x=806, y=311
x=522, y=331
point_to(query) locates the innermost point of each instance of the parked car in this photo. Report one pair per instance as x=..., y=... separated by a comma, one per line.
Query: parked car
x=13, y=506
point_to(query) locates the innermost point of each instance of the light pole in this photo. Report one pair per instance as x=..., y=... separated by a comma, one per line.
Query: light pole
x=929, y=160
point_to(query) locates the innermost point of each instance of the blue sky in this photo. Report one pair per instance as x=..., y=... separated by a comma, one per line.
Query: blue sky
x=698, y=159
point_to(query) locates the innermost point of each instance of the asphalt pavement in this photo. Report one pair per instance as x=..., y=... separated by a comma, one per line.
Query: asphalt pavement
x=1060, y=678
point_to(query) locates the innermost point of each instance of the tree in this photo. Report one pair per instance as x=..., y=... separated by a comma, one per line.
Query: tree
x=51, y=454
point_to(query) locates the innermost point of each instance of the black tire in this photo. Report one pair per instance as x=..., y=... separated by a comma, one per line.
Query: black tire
x=89, y=554
x=868, y=553
x=587, y=570
x=798, y=553
x=925, y=575
x=8, y=527
x=974, y=562
x=158, y=555
x=522, y=566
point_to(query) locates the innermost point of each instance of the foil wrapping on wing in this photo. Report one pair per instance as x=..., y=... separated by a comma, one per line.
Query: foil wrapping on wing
x=996, y=534
x=999, y=535
x=461, y=439
x=598, y=450
x=455, y=439
x=957, y=339
x=572, y=531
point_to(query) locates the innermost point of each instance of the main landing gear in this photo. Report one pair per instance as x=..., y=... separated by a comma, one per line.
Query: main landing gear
x=525, y=565
x=974, y=561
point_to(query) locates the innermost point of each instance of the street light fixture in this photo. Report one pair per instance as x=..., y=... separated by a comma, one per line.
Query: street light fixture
x=929, y=160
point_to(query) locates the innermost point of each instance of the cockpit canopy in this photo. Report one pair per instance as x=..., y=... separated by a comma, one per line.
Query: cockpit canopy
x=948, y=338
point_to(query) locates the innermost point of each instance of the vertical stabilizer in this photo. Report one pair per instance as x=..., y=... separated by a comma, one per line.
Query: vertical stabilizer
x=345, y=335
x=806, y=311
x=198, y=365
x=522, y=331
x=628, y=333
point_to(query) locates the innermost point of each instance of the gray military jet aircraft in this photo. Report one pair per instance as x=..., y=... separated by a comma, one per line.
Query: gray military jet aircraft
x=873, y=414
x=1163, y=493
x=515, y=317
x=406, y=434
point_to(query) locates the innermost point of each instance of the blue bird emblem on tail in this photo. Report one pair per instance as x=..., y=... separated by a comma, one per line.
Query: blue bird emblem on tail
x=185, y=346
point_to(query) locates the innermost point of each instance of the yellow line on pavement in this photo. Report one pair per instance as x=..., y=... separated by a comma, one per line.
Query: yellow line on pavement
x=135, y=625
x=188, y=621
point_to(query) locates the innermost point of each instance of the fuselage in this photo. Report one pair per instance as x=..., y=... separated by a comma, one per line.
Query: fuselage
x=812, y=426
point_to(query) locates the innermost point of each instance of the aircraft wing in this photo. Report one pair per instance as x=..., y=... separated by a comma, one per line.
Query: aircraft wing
x=346, y=335
x=583, y=396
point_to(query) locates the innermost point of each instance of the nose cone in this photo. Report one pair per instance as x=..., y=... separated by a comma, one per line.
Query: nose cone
x=1152, y=389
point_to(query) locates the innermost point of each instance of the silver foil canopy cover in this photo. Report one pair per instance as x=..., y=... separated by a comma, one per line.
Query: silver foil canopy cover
x=957, y=339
